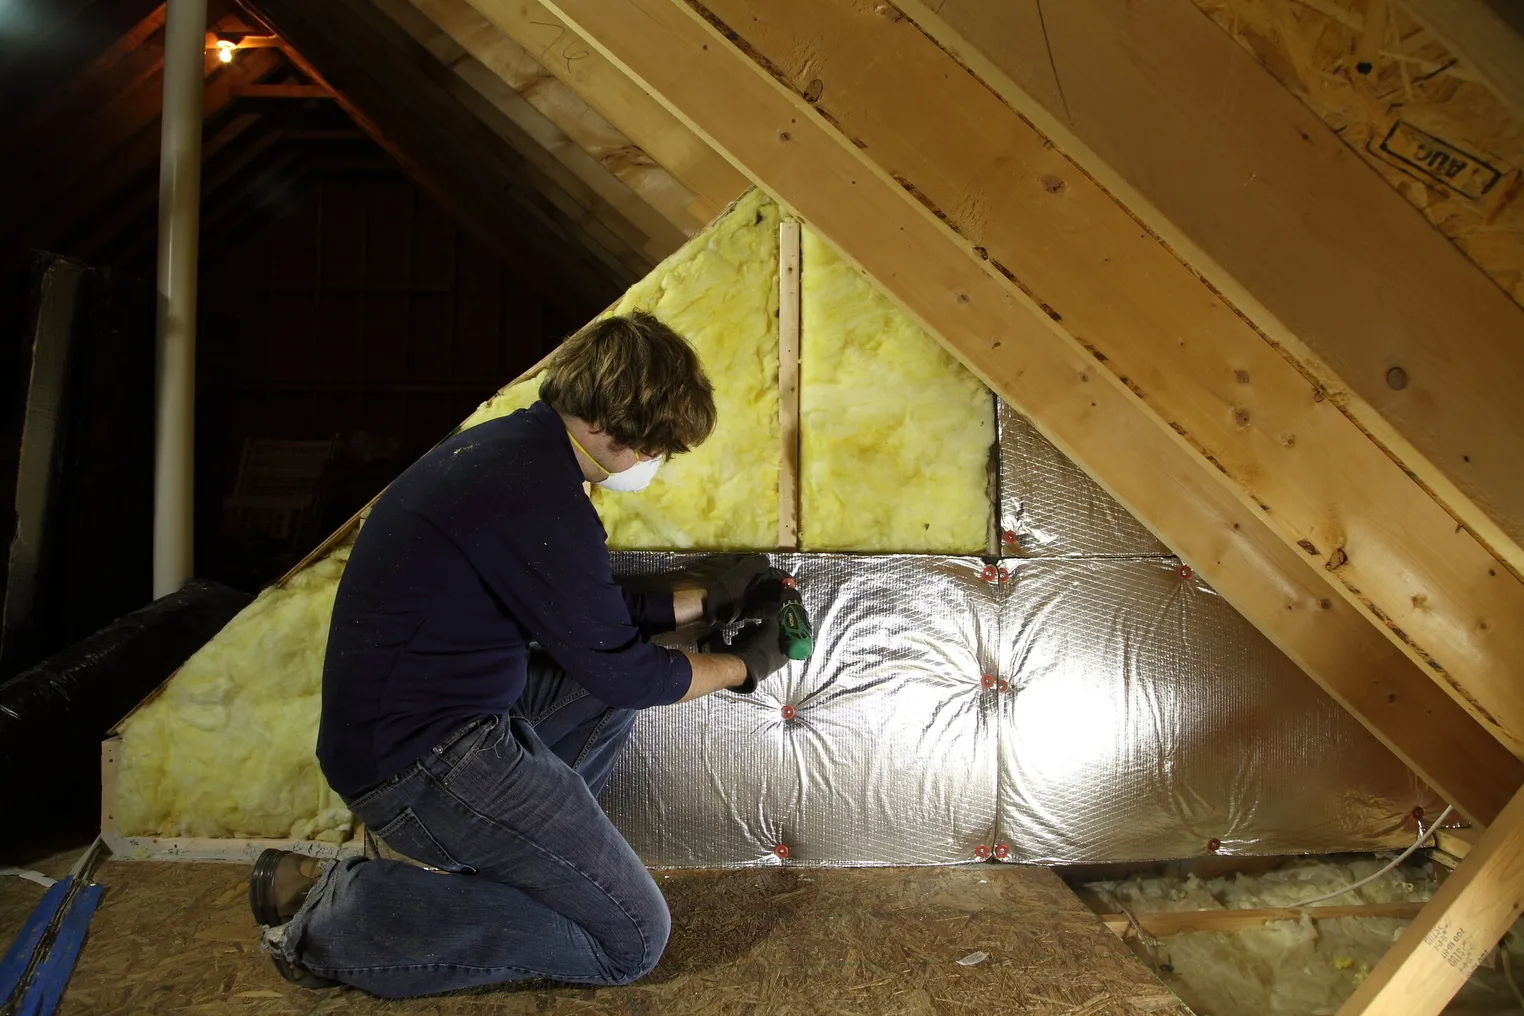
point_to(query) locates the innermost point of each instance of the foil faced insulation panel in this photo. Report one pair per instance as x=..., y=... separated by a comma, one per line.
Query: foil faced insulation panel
x=878, y=750
x=1050, y=508
x=1147, y=719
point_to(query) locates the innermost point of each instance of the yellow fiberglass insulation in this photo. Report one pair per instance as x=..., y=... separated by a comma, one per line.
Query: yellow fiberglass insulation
x=895, y=433
x=226, y=749
x=720, y=292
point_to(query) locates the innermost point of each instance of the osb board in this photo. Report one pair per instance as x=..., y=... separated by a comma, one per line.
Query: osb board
x=18, y=896
x=1416, y=114
x=178, y=937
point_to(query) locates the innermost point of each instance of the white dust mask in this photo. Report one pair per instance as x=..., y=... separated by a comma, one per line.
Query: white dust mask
x=626, y=481
x=637, y=477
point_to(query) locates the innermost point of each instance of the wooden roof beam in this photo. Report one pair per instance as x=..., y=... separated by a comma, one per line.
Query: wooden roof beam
x=799, y=151
x=1250, y=186
x=499, y=67
x=536, y=28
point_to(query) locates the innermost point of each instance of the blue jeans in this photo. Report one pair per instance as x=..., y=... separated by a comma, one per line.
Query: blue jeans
x=537, y=881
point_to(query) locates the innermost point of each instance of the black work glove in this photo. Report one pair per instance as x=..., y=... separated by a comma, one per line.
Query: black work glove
x=730, y=591
x=759, y=647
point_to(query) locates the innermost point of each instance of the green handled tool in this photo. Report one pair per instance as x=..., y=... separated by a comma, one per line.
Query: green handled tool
x=795, y=636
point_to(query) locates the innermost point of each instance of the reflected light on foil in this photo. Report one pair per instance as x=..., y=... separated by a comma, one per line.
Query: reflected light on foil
x=1066, y=723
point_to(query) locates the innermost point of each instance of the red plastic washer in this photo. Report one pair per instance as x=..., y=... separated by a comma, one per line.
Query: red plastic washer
x=1214, y=844
x=1002, y=573
x=1002, y=851
x=1008, y=538
x=989, y=574
x=988, y=680
x=781, y=850
x=787, y=712
x=1418, y=813
x=788, y=581
x=1185, y=571
x=1003, y=685
x=981, y=851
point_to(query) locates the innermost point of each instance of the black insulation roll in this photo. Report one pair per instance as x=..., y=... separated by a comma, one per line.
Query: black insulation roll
x=54, y=715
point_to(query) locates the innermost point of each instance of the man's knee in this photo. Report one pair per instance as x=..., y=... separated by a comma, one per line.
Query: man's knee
x=651, y=925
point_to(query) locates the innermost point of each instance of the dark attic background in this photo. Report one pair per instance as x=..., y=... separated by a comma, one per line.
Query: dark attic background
x=372, y=267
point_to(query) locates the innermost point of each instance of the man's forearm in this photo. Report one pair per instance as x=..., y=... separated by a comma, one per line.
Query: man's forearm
x=687, y=606
x=713, y=671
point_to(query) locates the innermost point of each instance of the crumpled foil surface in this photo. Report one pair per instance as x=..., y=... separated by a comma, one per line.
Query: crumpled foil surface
x=885, y=753
x=1050, y=508
x=1051, y=711
x=1147, y=719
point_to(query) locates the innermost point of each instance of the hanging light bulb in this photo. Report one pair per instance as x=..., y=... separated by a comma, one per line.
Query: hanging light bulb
x=225, y=50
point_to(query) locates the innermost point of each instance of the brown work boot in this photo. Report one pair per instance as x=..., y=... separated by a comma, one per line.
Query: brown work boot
x=280, y=883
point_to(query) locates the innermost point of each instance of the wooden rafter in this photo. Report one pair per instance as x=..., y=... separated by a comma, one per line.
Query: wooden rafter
x=1016, y=346
x=89, y=227
x=1257, y=193
x=536, y=28
x=567, y=130
x=515, y=122
x=393, y=91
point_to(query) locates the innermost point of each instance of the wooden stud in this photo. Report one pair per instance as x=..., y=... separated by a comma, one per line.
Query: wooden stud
x=110, y=749
x=1458, y=843
x=1255, y=191
x=788, y=383
x=1456, y=929
x=1016, y=347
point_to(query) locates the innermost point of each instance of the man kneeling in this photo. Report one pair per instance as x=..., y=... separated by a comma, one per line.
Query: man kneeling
x=483, y=672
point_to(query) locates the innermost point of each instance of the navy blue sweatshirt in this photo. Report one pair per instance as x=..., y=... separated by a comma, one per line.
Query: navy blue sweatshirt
x=482, y=546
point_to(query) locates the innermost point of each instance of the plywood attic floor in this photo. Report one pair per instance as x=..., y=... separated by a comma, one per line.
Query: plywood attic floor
x=178, y=938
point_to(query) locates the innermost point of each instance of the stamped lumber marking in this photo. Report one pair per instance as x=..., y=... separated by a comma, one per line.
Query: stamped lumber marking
x=1439, y=161
x=1454, y=946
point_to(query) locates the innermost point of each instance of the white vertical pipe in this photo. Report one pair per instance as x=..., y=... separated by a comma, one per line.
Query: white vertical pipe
x=179, y=224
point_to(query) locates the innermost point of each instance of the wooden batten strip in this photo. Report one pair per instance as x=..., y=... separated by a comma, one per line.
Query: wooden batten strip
x=788, y=382
x=1171, y=922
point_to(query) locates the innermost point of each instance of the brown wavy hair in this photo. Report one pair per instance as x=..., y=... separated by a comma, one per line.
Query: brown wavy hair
x=636, y=379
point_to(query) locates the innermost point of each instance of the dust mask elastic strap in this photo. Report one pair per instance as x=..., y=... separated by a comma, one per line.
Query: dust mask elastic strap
x=626, y=481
